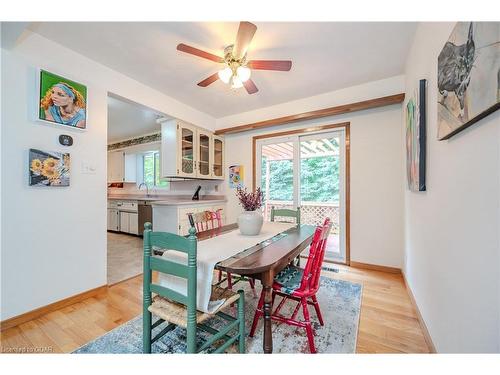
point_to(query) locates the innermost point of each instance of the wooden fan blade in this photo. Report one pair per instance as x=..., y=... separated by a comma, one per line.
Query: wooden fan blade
x=283, y=65
x=245, y=34
x=250, y=86
x=207, y=81
x=198, y=52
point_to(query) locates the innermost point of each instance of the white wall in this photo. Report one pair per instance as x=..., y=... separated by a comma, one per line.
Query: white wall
x=376, y=169
x=54, y=239
x=452, y=260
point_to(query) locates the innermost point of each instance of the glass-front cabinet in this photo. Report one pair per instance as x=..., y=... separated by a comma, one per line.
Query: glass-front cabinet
x=218, y=159
x=187, y=149
x=204, y=154
x=190, y=152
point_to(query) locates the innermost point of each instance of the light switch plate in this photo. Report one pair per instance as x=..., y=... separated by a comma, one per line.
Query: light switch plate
x=88, y=168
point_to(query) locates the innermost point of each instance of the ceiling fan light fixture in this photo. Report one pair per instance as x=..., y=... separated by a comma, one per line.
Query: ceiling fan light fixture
x=225, y=74
x=243, y=73
x=236, y=82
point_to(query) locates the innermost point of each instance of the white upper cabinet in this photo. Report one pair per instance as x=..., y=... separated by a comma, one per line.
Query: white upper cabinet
x=204, y=154
x=218, y=157
x=122, y=167
x=187, y=150
x=190, y=152
x=116, y=166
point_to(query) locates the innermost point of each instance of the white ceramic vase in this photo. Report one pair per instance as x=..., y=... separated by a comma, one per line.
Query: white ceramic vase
x=250, y=223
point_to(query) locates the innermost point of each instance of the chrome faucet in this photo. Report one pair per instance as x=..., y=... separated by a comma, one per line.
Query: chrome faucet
x=147, y=188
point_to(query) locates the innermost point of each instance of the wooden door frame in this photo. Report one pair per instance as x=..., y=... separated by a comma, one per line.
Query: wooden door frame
x=311, y=130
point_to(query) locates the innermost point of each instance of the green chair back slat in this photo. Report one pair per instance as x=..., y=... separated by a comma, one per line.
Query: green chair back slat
x=169, y=241
x=169, y=293
x=169, y=267
x=286, y=212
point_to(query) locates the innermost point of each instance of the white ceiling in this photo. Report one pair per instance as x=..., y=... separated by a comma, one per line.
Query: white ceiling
x=326, y=56
x=128, y=120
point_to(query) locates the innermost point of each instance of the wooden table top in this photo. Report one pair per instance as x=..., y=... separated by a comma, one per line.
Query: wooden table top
x=274, y=253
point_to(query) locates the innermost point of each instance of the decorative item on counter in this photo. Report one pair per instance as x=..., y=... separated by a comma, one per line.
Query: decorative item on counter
x=250, y=221
x=416, y=138
x=116, y=185
x=468, y=76
x=48, y=168
x=196, y=195
x=66, y=140
x=62, y=101
x=236, y=176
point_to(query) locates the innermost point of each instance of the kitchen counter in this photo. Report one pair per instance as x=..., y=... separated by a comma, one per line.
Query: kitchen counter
x=134, y=197
x=177, y=202
x=165, y=200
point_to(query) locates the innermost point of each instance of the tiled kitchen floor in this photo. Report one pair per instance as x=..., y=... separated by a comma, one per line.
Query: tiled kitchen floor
x=124, y=257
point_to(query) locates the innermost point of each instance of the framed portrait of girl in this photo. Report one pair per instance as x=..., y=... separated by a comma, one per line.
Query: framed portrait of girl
x=62, y=101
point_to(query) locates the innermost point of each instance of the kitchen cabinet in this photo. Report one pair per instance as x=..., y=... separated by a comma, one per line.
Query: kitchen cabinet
x=122, y=167
x=190, y=152
x=218, y=157
x=116, y=166
x=129, y=222
x=123, y=216
x=113, y=219
x=204, y=154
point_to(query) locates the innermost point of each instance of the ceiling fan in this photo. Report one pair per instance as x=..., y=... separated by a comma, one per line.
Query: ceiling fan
x=237, y=69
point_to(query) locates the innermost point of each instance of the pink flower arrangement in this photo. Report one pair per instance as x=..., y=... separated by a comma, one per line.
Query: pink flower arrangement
x=249, y=200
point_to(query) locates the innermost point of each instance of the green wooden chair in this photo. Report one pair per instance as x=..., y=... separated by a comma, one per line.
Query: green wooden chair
x=176, y=309
x=286, y=212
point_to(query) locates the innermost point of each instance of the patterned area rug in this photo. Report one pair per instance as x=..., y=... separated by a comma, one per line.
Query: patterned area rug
x=340, y=303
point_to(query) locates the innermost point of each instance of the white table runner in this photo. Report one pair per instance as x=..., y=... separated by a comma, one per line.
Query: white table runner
x=210, y=252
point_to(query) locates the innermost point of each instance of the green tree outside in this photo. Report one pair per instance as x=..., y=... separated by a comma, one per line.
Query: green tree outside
x=319, y=179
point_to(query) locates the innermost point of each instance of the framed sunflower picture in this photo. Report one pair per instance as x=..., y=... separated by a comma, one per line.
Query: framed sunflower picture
x=48, y=168
x=62, y=101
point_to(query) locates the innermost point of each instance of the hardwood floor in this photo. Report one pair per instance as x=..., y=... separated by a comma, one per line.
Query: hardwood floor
x=388, y=322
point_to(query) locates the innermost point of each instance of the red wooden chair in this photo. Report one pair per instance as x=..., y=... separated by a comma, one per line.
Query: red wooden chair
x=299, y=285
x=206, y=220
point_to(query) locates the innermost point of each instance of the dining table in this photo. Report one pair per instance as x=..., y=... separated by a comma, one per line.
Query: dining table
x=263, y=261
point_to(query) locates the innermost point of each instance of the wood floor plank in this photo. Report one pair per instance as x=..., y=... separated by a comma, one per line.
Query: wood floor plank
x=388, y=321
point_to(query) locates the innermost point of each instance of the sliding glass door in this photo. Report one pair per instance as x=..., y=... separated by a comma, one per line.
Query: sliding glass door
x=307, y=171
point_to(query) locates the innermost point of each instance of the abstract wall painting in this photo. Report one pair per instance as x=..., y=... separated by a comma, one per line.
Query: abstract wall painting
x=235, y=176
x=416, y=138
x=48, y=168
x=62, y=101
x=468, y=76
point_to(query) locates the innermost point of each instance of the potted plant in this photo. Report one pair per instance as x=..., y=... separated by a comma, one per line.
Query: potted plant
x=250, y=221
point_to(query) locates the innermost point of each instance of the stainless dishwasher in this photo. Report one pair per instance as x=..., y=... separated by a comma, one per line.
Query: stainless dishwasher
x=145, y=214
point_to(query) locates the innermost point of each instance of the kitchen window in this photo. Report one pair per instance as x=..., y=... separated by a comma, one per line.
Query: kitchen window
x=151, y=170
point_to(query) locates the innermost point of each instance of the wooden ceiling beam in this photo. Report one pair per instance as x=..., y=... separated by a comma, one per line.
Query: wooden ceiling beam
x=331, y=111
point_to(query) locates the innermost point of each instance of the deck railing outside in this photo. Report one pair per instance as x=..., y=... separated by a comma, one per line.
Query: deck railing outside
x=313, y=213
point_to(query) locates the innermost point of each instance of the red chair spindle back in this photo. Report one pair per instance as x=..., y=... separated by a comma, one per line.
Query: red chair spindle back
x=320, y=255
x=313, y=248
x=312, y=270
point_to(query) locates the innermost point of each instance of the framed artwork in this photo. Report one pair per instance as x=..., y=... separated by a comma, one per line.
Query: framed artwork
x=416, y=139
x=62, y=101
x=48, y=168
x=468, y=76
x=235, y=176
